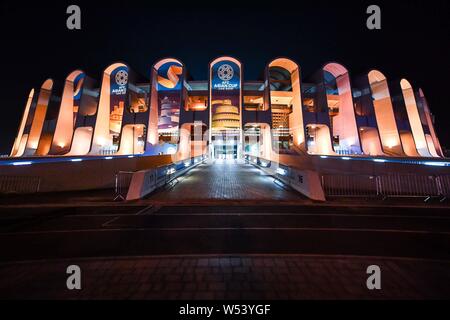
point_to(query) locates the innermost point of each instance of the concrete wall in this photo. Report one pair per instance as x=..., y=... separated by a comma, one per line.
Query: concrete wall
x=85, y=175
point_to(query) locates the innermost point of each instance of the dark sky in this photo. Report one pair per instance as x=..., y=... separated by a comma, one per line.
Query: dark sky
x=413, y=42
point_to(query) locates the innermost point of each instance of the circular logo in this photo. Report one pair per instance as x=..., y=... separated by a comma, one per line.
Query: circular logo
x=122, y=77
x=225, y=72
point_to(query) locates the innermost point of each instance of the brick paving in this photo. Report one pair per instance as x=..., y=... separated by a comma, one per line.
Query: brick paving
x=227, y=180
x=227, y=277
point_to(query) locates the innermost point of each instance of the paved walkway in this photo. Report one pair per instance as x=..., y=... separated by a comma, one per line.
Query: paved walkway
x=223, y=277
x=227, y=180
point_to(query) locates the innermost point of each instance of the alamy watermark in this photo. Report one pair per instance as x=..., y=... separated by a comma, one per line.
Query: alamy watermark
x=374, y=280
x=73, y=282
x=374, y=20
x=73, y=22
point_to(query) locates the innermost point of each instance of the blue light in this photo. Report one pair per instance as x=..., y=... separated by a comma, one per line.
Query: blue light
x=324, y=157
x=76, y=160
x=346, y=158
x=380, y=160
x=22, y=163
x=108, y=158
x=130, y=157
x=437, y=164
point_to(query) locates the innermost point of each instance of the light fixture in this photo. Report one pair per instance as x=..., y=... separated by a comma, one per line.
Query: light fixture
x=264, y=164
x=22, y=163
x=437, y=164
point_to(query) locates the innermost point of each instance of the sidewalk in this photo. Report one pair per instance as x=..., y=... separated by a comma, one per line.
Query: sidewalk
x=227, y=277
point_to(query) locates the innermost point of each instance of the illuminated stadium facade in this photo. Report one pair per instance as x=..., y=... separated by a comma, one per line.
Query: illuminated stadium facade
x=325, y=135
x=329, y=114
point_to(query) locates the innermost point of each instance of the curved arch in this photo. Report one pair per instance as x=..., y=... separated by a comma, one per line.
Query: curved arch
x=343, y=122
x=40, y=112
x=67, y=113
x=113, y=67
x=21, y=138
x=47, y=85
x=102, y=140
x=296, y=124
x=384, y=113
x=285, y=63
x=225, y=58
x=414, y=118
x=163, y=61
x=335, y=69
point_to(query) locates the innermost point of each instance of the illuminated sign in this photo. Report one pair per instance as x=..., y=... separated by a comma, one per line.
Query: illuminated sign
x=225, y=95
x=225, y=76
x=170, y=76
x=119, y=81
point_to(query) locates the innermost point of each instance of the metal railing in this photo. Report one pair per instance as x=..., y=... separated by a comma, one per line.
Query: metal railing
x=350, y=185
x=443, y=183
x=19, y=184
x=387, y=186
x=408, y=185
x=369, y=186
x=154, y=178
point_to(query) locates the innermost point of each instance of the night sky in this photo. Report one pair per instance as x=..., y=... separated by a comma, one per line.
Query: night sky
x=413, y=43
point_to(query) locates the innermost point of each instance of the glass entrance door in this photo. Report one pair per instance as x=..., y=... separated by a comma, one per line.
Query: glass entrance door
x=225, y=151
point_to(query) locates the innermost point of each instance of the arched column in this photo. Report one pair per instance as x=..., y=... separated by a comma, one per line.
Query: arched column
x=39, y=114
x=105, y=124
x=68, y=110
x=21, y=138
x=292, y=96
x=414, y=118
x=343, y=119
x=225, y=105
x=384, y=112
x=166, y=102
x=432, y=139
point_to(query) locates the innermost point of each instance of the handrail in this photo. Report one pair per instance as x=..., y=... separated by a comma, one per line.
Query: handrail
x=146, y=181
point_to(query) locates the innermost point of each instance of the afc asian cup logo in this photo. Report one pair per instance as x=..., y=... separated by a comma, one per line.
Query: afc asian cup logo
x=122, y=78
x=225, y=72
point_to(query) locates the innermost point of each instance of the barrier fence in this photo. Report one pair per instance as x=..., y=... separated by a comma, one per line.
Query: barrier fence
x=19, y=184
x=369, y=186
x=387, y=186
x=350, y=185
x=444, y=185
